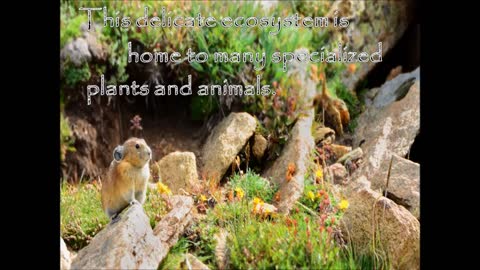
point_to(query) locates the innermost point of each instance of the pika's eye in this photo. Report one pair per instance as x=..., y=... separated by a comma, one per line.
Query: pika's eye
x=137, y=146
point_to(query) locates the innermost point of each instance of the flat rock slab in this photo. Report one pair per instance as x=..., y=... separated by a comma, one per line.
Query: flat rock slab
x=387, y=130
x=193, y=263
x=394, y=89
x=372, y=217
x=225, y=142
x=297, y=151
x=404, y=184
x=130, y=243
x=65, y=257
x=172, y=224
x=127, y=243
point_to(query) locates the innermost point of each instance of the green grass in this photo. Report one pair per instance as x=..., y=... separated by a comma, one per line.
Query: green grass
x=176, y=255
x=82, y=217
x=71, y=28
x=260, y=244
x=253, y=185
x=299, y=240
x=284, y=242
x=81, y=214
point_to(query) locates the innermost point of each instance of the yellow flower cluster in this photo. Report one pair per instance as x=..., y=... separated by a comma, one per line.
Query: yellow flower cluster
x=262, y=208
x=240, y=193
x=319, y=174
x=343, y=205
x=163, y=189
x=311, y=196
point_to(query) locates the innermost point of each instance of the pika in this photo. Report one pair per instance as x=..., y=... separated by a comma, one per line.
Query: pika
x=127, y=177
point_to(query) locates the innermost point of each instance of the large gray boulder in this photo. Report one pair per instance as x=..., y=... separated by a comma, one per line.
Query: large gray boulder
x=403, y=185
x=65, y=256
x=372, y=220
x=178, y=170
x=83, y=49
x=76, y=51
x=225, y=142
x=388, y=128
x=129, y=242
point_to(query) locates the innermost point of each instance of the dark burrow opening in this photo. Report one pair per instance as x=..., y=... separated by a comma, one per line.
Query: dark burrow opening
x=415, y=153
x=167, y=128
x=406, y=53
x=172, y=121
x=398, y=200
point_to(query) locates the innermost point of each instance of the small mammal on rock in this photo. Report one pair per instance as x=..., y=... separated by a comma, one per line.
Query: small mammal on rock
x=127, y=177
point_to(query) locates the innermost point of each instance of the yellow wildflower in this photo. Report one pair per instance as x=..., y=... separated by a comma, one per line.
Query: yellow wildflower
x=263, y=209
x=310, y=195
x=240, y=192
x=257, y=205
x=343, y=204
x=203, y=198
x=257, y=200
x=319, y=173
x=163, y=189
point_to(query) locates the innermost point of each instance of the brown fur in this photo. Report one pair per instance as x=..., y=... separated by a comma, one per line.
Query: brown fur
x=127, y=178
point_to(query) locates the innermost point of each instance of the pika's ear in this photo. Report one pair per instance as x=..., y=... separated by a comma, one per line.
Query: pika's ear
x=118, y=153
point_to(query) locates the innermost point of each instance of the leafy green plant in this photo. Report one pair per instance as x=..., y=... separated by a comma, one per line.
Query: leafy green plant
x=202, y=106
x=275, y=112
x=353, y=103
x=117, y=46
x=70, y=26
x=304, y=239
x=253, y=185
x=74, y=75
x=67, y=140
x=176, y=255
